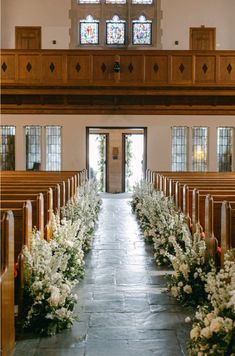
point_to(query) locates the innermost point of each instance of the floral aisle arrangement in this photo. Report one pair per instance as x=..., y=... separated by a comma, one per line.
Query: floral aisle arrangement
x=159, y=220
x=191, y=266
x=195, y=280
x=48, y=293
x=84, y=209
x=52, y=268
x=213, y=331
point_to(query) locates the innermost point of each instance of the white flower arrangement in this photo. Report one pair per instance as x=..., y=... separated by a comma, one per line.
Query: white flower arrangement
x=48, y=294
x=191, y=265
x=158, y=219
x=213, y=331
x=53, y=267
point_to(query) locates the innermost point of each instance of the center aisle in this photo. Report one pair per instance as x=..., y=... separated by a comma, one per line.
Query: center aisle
x=120, y=305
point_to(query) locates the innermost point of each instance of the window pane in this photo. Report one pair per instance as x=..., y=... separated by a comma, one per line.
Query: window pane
x=224, y=148
x=115, y=1
x=33, y=147
x=179, y=137
x=145, y=2
x=115, y=31
x=200, y=143
x=53, y=148
x=7, y=148
x=142, y=31
x=89, y=31
x=89, y=1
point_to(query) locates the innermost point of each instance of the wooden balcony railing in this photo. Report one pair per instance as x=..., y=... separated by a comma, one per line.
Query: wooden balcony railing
x=157, y=77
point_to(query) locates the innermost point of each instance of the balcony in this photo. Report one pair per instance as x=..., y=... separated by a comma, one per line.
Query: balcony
x=118, y=81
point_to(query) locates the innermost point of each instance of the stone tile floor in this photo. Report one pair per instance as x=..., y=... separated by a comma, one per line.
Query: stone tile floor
x=122, y=309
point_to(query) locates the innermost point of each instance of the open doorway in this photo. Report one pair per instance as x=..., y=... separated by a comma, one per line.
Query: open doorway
x=133, y=159
x=116, y=157
x=98, y=160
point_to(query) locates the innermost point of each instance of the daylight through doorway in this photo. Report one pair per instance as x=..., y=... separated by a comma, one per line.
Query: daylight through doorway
x=134, y=160
x=97, y=160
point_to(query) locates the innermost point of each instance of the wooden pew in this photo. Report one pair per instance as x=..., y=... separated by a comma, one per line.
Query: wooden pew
x=7, y=284
x=227, y=228
x=37, y=210
x=22, y=226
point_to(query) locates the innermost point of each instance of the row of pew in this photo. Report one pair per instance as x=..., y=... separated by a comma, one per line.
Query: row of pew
x=206, y=198
x=27, y=202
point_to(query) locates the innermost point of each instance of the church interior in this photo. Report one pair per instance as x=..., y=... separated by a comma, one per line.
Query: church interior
x=117, y=159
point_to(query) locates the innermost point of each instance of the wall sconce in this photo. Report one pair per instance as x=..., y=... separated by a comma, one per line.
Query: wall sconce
x=115, y=152
x=116, y=67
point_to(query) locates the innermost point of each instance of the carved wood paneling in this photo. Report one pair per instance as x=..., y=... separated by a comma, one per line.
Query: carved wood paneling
x=156, y=69
x=103, y=68
x=181, y=69
x=205, y=69
x=227, y=69
x=29, y=68
x=8, y=67
x=52, y=68
x=132, y=68
x=79, y=68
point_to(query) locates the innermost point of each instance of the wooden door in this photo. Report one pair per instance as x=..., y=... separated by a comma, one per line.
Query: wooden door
x=27, y=37
x=202, y=38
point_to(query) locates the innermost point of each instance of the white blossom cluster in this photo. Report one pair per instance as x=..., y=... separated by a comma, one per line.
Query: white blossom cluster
x=190, y=264
x=53, y=267
x=84, y=209
x=195, y=280
x=213, y=331
x=158, y=219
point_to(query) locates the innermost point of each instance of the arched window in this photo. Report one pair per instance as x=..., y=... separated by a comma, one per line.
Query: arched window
x=125, y=23
x=89, y=31
x=115, y=31
x=142, y=31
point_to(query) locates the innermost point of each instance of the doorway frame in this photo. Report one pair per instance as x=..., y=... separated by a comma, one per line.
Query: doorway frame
x=124, y=156
x=106, y=154
x=100, y=127
x=35, y=28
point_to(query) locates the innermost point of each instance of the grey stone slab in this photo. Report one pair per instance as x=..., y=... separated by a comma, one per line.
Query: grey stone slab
x=26, y=344
x=101, y=306
x=69, y=338
x=61, y=352
x=157, y=321
x=24, y=352
x=112, y=333
x=107, y=348
x=163, y=347
x=113, y=320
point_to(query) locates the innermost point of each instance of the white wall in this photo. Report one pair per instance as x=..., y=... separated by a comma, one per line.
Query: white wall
x=74, y=135
x=51, y=15
x=179, y=16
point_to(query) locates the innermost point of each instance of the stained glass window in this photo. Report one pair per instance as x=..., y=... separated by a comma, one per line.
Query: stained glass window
x=115, y=1
x=115, y=31
x=200, y=144
x=142, y=31
x=224, y=148
x=142, y=2
x=7, y=148
x=33, y=147
x=179, y=136
x=89, y=31
x=88, y=1
x=53, y=148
